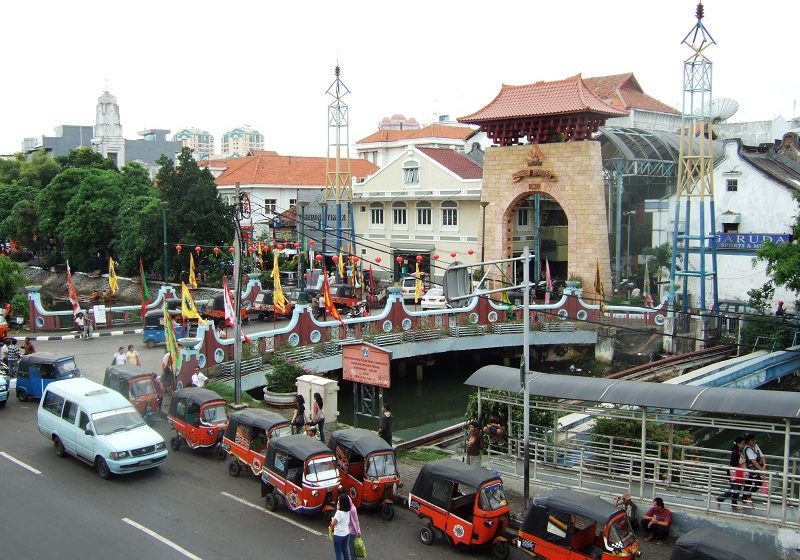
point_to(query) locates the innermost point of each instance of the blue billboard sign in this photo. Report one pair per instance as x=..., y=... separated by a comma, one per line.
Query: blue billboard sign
x=750, y=241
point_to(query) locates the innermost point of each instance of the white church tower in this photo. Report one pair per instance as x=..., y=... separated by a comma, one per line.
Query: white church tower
x=107, y=138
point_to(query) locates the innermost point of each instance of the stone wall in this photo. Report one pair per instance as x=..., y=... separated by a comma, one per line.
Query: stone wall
x=571, y=173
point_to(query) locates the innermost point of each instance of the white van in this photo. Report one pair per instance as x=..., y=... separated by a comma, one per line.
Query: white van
x=98, y=426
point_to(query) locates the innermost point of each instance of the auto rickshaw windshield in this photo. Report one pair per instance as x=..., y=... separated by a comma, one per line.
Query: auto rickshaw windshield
x=381, y=465
x=280, y=431
x=214, y=413
x=142, y=387
x=118, y=420
x=620, y=534
x=66, y=367
x=321, y=470
x=492, y=497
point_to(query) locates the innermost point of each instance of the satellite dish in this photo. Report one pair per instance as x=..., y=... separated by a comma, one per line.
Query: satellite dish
x=719, y=110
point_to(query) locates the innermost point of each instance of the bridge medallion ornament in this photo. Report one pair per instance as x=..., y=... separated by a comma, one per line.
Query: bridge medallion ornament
x=387, y=326
x=294, y=339
x=406, y=324
x=315, y=336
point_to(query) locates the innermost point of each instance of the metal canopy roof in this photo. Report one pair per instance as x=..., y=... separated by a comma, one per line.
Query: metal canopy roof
x=639, y=144
x=720, y=400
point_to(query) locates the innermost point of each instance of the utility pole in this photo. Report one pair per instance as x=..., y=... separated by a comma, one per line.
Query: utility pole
x=526, y=349
x=237, y=304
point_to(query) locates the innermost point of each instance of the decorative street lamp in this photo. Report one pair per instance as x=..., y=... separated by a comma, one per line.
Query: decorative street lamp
x=301, y=252
x=163, y=205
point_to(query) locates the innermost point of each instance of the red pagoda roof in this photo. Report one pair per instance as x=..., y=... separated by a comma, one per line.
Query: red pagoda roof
x=624, y=92
x=541, y=99
x=456, y=162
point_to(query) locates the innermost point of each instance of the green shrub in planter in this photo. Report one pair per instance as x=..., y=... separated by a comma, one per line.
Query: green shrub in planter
x=19, y=306
x=284, y=374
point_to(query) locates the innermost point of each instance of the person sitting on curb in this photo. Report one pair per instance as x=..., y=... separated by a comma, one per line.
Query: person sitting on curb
x=656, y=522
x=625, y=503
x=495, y=430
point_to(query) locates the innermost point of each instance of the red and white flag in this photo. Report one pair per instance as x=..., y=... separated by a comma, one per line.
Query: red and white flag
x=227, y=298
x=548, y=282
x=72, y=293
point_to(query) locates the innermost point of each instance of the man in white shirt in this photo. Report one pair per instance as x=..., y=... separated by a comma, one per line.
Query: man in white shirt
x=199, y=379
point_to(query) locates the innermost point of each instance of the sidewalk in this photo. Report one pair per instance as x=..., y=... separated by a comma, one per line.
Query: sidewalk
x=75, y=335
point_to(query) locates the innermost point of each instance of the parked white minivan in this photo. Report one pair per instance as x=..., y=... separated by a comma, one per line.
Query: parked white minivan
x=98, y=426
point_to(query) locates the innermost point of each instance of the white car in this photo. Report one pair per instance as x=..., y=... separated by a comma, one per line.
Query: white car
x=434, y=299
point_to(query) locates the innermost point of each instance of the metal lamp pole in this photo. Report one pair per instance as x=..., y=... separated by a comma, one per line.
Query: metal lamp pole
x=302, y=252
x=484, y=204
x=628, y=252
x=526, y=403
x=163, y=205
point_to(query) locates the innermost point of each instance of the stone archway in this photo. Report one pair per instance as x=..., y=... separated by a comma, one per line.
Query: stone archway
x=570, y=173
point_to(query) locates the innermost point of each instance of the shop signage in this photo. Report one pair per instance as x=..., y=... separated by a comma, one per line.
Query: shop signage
x=749, y=241
x=366, y=363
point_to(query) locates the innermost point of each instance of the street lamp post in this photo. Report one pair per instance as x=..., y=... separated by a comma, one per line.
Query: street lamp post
x=301, y=252
x=484, y=204
x=628, y=251
x=163, y=205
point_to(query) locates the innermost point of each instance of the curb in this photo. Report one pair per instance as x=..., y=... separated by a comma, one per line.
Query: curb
x=78, y=337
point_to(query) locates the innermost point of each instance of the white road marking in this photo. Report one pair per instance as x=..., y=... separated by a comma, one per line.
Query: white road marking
x=159, y=538
x=268, y=512
x=20, y=463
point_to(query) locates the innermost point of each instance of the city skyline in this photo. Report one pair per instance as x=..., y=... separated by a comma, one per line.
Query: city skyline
x=439, y=59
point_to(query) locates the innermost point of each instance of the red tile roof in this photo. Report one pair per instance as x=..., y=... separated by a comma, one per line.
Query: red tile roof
x=435, y=130
x=458, y=163
x=541, y=99
x=624, y=92
x=264, y=169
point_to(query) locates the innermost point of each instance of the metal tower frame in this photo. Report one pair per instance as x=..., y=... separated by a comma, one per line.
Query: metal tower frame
x=338, y=183
x=695, y=178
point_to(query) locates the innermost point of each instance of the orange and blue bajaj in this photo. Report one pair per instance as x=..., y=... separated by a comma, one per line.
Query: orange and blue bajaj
x=465, y=503
x=571, y=525
x=246, y=438
x=368, y=469
x=137, y=385
x=300, y=472
x=199, y=417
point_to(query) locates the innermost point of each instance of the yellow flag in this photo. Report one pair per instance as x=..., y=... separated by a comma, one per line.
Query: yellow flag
x=192, y=279
x=418, y=286
x=341, y=267
x=598, y=288
x=188, y=308
x=113, y=285
x=278, y=300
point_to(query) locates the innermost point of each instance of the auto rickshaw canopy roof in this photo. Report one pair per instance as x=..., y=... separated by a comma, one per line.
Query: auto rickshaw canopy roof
x=126, y=371
x=300, y=446
x=363, y=442
x=159, y=313
x=197, y=395
x=578, y=503
x=258, y=418
x=450, y=469
x=714, y=544
x=44, y=358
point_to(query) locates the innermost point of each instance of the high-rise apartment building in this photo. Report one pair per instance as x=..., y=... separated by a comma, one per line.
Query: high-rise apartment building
x=239, y=141
x=199, y=141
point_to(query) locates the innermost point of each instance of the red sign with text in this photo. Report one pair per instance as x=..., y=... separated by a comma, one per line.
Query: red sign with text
x=367, y=364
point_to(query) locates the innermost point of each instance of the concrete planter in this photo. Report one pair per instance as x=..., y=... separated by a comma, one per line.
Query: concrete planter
x=279, y=400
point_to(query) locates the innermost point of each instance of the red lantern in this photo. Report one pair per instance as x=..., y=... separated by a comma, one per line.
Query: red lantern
x=435, y=257
x=179, y=248
x=216, y=250
x=232, y=250
x=198, y=249
x=319, y=258
x=335, y=259
x=453, y=254
x=471, y=252
x=378, y=260
x=311, y=242
x=399, y=260
x=280, y=246
x=250, y=250
x=355, y=260
x=419, y=258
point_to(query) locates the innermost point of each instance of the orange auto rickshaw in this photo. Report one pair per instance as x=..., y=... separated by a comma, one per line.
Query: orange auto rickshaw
x=368, y=469
x=199, y=417
x=246, y=438
x=464, y=503
x=138, y=386
x=571, y=525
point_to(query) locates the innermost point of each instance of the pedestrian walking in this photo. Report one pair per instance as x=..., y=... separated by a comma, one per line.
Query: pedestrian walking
x=132, y=356
x=27, y=347
x=166, y=371
x=340, y=525
x=385, y=429
x=754, y=465
x=318, y=416
x=735, y=473
x=12, y=357
x=299, y=416
x=656, y=522
x=80, y=324
x=474, y=441
x=119, y=358
x=355, y=530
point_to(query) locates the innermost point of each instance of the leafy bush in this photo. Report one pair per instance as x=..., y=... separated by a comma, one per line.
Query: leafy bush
x=19, y=306
x=11, y=278
x=283, y=377
x=226, y=392
x=541, y=418
x=629, y=432
x=774, y=331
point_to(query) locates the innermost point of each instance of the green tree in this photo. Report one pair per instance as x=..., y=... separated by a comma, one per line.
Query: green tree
x=783, y=262
x=196, y=214
x=21, y=224
x=659, y=259
x=52, y=200
x=37, y=170
x=85, y=158
x=11, y=278
x=137, y=233
x=11, y=194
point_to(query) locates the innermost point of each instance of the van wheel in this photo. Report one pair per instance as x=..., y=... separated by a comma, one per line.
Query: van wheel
x=234, y=468
x=426, y=535
x=175, y=443
x=22, y=395
x=3, y=403
x=58, y=446
x=270, y=501
x=501, y=550
x=151, y=343
x=102, y=469
x=387, y=512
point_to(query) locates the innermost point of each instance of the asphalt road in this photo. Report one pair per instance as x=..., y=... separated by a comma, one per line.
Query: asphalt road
x=59, y=508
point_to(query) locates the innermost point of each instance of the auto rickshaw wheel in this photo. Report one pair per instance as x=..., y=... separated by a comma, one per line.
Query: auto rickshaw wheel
x=220, y=451
x=387, y=512
x=175, y=443
x=234, y=468
x=271, y=501
x=22, y=395
x=102, y=469
x=58, y=446
x=151, y=343
x=426, y=534
x=501, y=549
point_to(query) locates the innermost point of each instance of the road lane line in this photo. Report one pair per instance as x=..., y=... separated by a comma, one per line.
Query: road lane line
x=20, y=463
x=268, y=512
x=159, y=538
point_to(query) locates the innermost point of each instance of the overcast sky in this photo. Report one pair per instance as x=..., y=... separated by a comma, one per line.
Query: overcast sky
x=218, y=65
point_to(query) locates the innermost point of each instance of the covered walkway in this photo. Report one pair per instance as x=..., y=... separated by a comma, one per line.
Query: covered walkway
x=655, y=462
